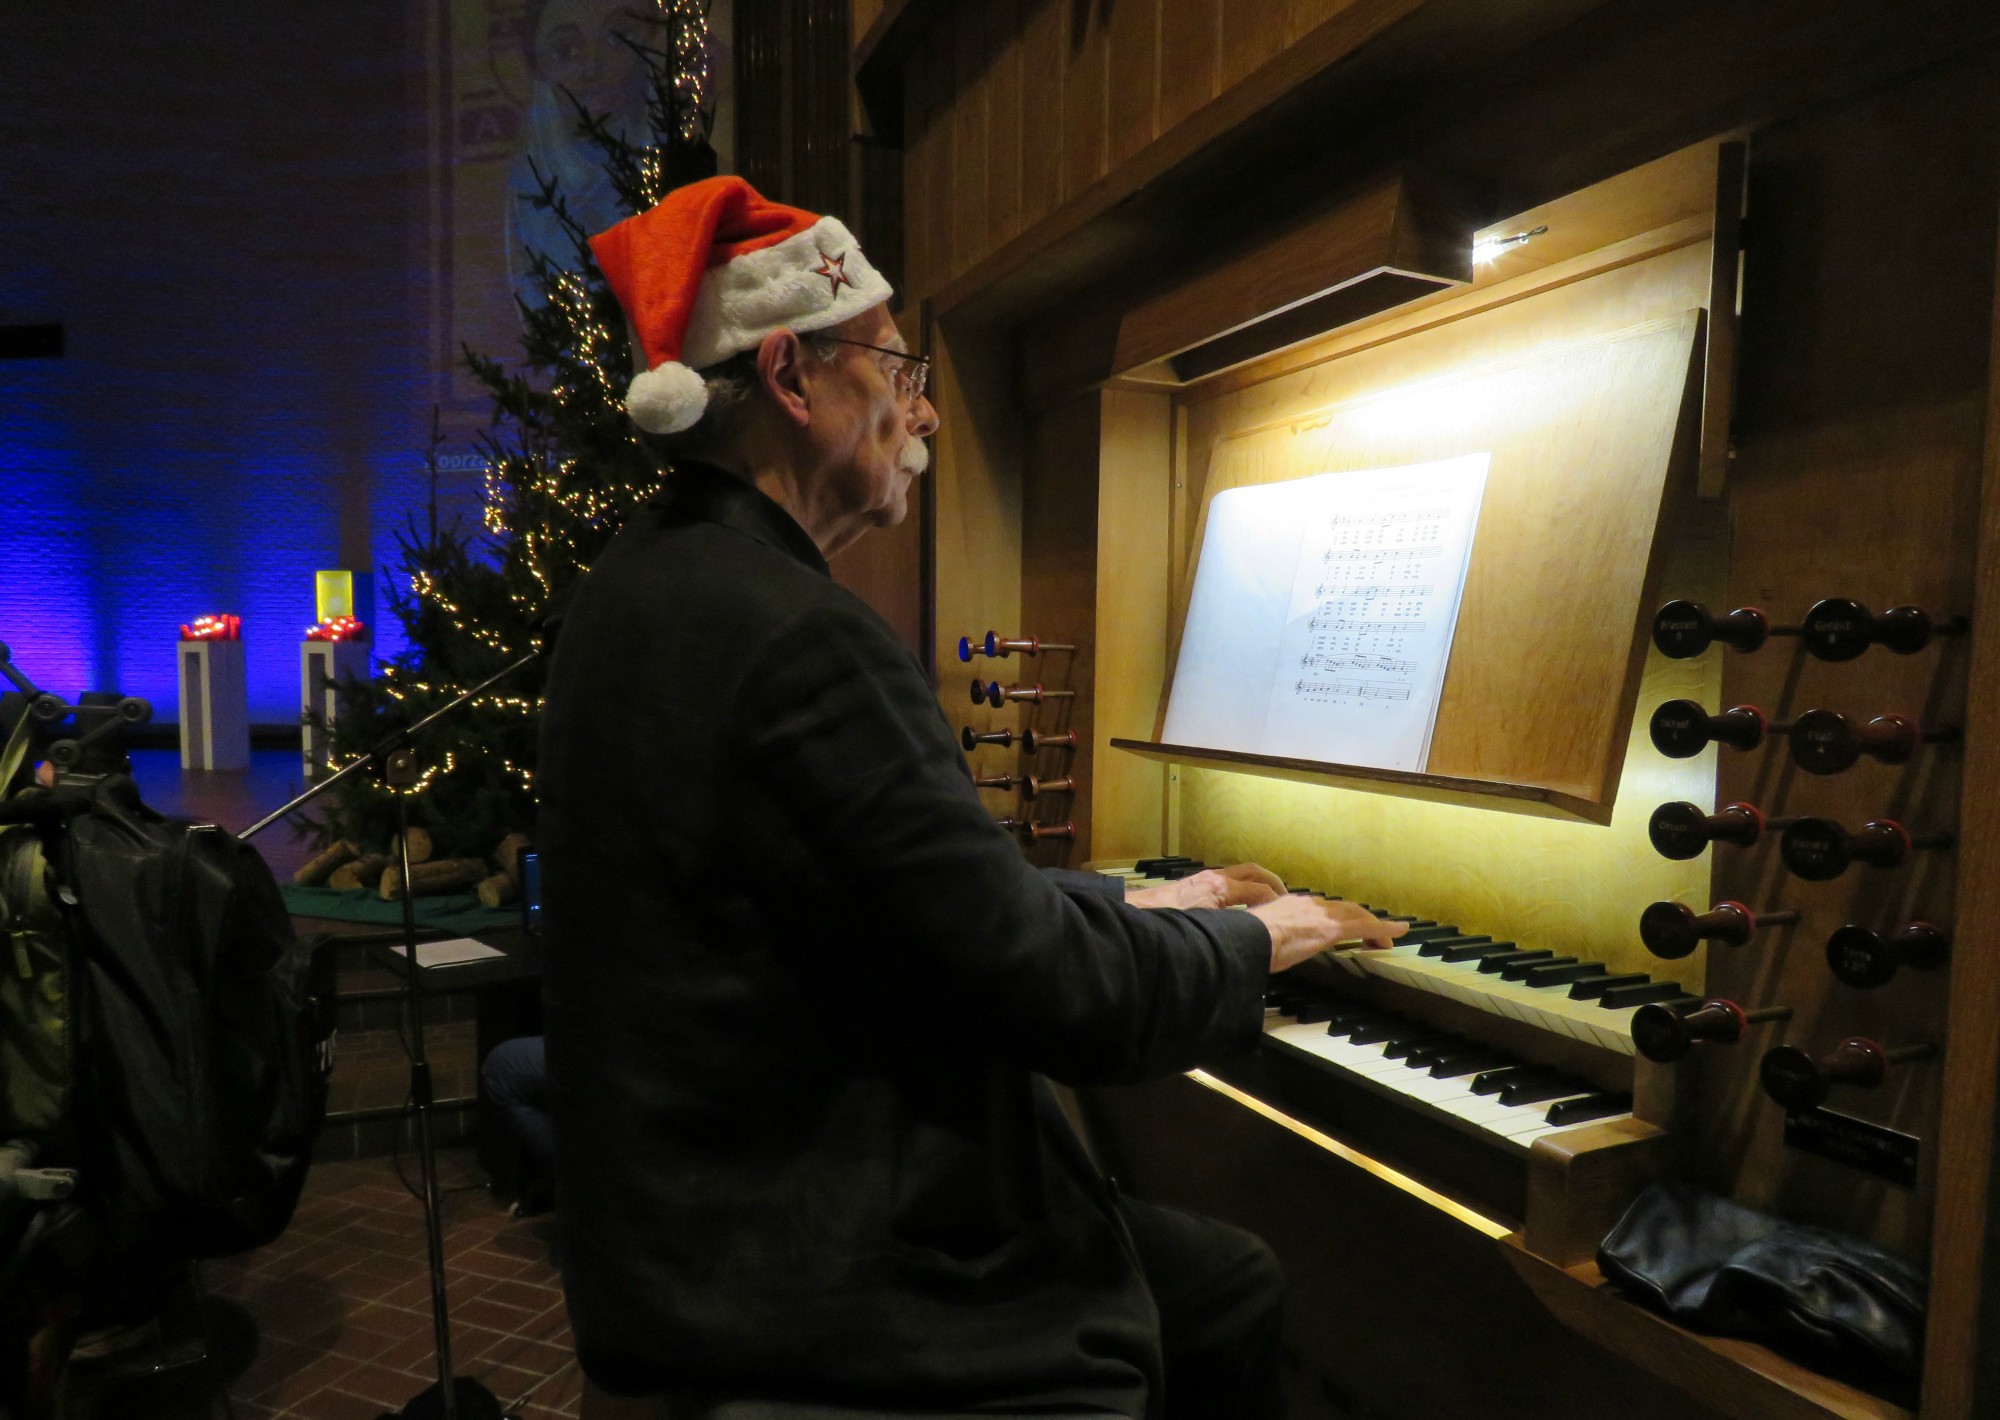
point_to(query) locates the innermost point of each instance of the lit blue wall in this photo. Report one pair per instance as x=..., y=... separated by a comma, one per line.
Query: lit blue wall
x=227, y=220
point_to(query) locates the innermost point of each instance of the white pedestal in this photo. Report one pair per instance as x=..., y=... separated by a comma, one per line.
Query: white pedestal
x=321, y=664
x=215, y=706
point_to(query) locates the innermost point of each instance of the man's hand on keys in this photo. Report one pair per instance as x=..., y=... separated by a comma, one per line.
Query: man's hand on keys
x=1245, y=885
x=1303, y=927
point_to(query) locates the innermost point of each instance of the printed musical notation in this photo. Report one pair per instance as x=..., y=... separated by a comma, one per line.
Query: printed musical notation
x=1323, y=614
x=1352, y=689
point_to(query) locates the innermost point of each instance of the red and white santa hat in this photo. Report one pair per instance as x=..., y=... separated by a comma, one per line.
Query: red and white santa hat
x=709, y=272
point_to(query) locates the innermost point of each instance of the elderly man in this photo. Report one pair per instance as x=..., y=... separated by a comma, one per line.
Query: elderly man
x=802, y=991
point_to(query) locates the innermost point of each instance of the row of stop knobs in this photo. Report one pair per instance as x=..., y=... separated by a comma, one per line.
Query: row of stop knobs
x=991, y=692
x=1816, y=849
x=1795, y=1078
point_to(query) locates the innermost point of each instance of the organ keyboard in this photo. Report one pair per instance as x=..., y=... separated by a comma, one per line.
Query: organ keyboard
x=1459, y=1048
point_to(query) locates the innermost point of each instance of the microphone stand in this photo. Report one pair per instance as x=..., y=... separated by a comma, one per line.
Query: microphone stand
x=452, y=1397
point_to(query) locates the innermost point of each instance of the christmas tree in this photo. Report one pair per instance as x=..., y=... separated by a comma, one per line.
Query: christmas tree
x=564, y=468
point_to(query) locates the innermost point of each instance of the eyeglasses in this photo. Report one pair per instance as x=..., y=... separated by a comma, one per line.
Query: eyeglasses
x=911, y=380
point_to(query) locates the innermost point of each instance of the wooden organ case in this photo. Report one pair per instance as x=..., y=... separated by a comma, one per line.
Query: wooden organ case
x=1731, y=342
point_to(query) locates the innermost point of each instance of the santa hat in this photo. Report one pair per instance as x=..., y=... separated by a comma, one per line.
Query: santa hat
x=713, y=269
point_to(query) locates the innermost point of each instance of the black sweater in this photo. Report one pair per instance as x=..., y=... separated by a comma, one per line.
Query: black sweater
x=799, y=989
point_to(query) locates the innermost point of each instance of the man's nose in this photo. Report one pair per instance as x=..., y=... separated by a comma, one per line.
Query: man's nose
x=923, y=417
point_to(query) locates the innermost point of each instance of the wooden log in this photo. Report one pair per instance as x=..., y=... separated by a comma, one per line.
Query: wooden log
x=320, y=866
x=428, y=879
x=363, y=872
x=421, y=847
x=508, y=856
x=496, y=891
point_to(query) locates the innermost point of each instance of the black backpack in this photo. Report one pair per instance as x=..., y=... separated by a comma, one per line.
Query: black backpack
x=169, y=1036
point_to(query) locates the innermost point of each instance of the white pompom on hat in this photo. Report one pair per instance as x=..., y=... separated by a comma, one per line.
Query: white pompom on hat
x=710, y=271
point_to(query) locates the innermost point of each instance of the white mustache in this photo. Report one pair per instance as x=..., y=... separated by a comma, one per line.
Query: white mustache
x=914, y=457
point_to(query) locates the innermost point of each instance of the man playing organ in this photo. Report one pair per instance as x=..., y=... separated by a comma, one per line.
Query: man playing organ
x=802, y=992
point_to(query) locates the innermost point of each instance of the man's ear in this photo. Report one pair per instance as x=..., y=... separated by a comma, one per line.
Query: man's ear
x=781, y=369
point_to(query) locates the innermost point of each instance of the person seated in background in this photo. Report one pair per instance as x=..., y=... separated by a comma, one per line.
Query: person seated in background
x=515, y=1082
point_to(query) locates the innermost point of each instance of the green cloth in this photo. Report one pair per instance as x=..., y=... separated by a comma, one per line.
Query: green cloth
x=451, y=912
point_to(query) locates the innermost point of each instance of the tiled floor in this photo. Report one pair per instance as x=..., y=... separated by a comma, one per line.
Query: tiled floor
x=342, y=1301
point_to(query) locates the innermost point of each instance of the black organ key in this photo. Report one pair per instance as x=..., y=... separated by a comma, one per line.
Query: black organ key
x=1558, y=973
x=1598, y=1106
x=1155, y=867
x=1379, y=1032
x=1398, y=1046
x=1548, y=1087
x=1315, y=1012
x=1496, y=962
x=1452, y=956
x=1425, y=1056
x=1520, y=969
x=1589, y=988
x=1439, y=944
x=1491, y=1082
x=1346, y=1024
x=1458, y=1065
x=1617, y=998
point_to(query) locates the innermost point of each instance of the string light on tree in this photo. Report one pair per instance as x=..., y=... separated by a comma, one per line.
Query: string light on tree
x=563, y=470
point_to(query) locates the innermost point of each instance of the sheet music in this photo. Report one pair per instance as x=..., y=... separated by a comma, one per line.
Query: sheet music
x=1323, y=612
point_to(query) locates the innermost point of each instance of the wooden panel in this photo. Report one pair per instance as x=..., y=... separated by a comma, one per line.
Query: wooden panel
x=1964, y=1242
x=976, y=486
x=1860, y=448
x=1366, y=1255
x=1042, y=123
x=1134, y=504
x=938, y=150
x=1304, y=16
x=920, y=226
x=1190, y=38
x=1368, y=231
x=1134, y=63
x=967, y=205
x=1059, y=533
x=1253, y=31
x=1004, y=123
x=1718, y=382
x=1086, y=126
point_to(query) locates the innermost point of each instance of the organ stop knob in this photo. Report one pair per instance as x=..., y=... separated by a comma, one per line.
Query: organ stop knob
x=1035, y=741
x=1000, y=647
x=1034, y=787
x=1681, y=729
x=1839, y=629
x=972, y=739
x=1038, y=831
x=1820, y=850
x=1673, y=929
x=1826, y=741
x=1682, y=830
x=1866, y=959
x=997, y=781
x=1665, y=1034
x=995, y=694
x=1798, y=1080
x=1684, y=629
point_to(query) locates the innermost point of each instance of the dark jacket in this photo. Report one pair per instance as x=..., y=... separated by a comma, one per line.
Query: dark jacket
x=798, y=988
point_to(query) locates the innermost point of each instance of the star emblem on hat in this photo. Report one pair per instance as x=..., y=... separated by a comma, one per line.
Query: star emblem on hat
x=834, y=269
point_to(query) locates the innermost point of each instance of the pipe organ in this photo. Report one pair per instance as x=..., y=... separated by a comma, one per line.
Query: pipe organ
x=1694, y=885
